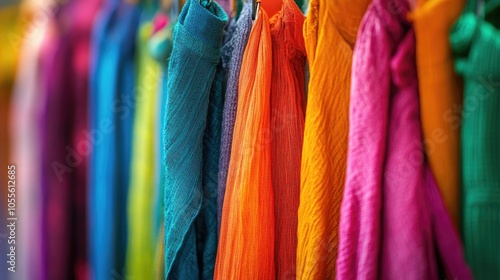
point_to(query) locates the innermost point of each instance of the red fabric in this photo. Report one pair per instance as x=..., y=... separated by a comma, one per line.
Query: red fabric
x=287, y=128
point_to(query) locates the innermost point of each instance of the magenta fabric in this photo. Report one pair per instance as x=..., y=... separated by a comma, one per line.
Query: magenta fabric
x=226, y=5
x=361, y=209
x=65, y=142
x=387, y=228
x=448, y=242
x=407, y=250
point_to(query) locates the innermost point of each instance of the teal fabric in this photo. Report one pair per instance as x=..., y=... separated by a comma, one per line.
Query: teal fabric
x=160, y=47
x=112, y=112
x=475, y=40
x=190, y=207
x=206, y=222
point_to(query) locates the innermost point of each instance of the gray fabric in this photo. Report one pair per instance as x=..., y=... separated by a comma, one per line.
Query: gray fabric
x=232, y=55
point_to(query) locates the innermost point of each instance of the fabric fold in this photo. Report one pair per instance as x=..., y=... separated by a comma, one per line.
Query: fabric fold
x=246, y=245
x=329, y=32
x=192, y=66
x=475, y=41
x=232, y=56
x=287, y=130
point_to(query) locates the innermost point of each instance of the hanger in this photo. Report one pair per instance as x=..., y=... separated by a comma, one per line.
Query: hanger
x=255, y=8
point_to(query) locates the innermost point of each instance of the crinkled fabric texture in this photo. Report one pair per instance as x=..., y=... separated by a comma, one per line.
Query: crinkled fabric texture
x=388, y=227
x=160, y=47
x=232, y=55
x=476, y=44
x=330, y=32
x=246, y=245
x=287, y=130
x=190, y=204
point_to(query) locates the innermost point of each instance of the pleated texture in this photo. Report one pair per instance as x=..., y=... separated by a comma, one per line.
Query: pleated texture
x=287, y=129
x=190, y=203
x=440, y=93
x=475, y=40
x=330, y=31
x=232, y=55
x=246, y=245
x=142, y=236
x=112, y=106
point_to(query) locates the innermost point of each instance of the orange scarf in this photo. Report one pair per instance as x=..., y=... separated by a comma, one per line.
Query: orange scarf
x=246, y=244
x=440, y=96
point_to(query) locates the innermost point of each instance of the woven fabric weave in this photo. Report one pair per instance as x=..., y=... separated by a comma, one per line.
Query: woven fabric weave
x=475, y=40
x=190, y=200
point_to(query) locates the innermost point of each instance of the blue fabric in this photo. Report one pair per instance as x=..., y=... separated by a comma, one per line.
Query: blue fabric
x=112, y=108
x=190, y=209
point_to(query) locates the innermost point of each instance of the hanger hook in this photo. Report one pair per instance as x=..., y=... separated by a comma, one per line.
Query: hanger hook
x=255, y=8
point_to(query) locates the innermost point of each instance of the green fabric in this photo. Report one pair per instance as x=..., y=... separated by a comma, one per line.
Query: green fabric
x=142, y=236
x=475, y=40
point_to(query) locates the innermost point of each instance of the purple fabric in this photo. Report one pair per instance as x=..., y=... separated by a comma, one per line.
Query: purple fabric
x=232, y=55
x=65, y=144
x=387, y=228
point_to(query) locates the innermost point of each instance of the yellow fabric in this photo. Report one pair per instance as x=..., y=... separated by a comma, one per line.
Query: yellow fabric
x=141, y=239
x=11, y=36
x=329, y=31
x=160, y=255
x=440, y=96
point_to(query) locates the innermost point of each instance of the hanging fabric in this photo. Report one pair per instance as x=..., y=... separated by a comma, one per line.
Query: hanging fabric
x=287, y=130
x=440, y=92
x=246, y=245
x=25, y=135
x=475, y=40
x=190, y=221
x=112, y=106
x=448, y=244
x=142, y=234
x=330, y=32
x=232, y=55
x=160, y=47
x=65, y=143
x=388, y=220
